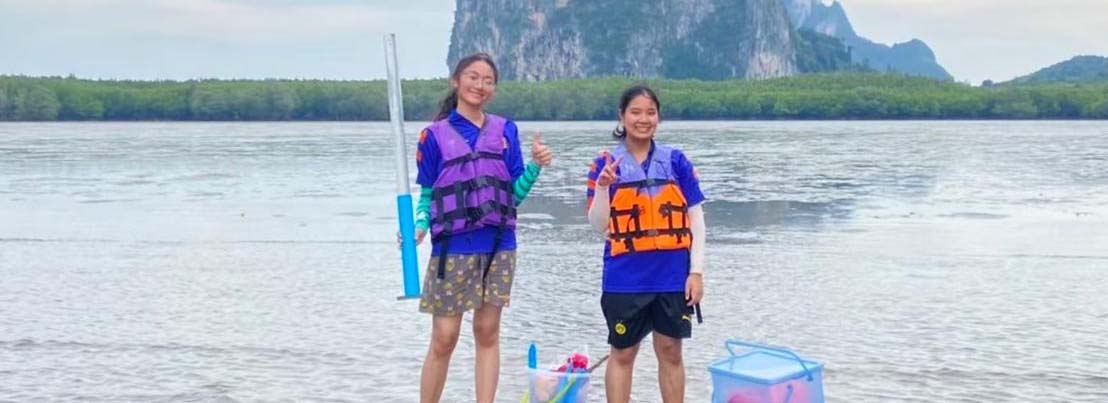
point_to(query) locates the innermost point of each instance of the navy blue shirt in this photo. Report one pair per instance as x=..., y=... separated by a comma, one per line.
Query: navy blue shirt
x=429, y=162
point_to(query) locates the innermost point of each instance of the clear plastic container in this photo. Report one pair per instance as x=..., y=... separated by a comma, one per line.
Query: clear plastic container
x=557, y=387
x=764, y=374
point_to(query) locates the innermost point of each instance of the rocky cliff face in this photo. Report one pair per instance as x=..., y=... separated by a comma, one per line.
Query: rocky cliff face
x=538, y=40
x=828, y=20
x=798, y=10
x=913, y=57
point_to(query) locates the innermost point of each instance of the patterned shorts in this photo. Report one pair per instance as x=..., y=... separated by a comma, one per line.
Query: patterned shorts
x=465, y=285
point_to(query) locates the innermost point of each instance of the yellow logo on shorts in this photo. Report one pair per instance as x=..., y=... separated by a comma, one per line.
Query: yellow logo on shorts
x=620, y=329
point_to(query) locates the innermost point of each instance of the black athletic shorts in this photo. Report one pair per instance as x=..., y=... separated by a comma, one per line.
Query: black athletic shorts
x=632, y=316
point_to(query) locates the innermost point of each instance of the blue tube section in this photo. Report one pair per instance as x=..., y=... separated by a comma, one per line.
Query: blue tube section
x=408, y=246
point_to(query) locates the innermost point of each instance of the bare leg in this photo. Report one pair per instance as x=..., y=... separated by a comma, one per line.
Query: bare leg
x=671, y=368
x=486, y=335
x=617, y=376
x=444, y=337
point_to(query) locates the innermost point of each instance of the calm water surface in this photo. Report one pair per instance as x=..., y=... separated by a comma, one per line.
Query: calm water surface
x=213, y=262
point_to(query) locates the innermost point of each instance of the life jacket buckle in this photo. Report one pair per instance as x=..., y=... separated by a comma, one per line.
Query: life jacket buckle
x=486, y=209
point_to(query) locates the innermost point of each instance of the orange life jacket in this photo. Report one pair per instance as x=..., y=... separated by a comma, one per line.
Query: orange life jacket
x=648, y=211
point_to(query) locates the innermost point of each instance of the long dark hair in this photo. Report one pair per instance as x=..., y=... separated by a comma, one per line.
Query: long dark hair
x=625, y=100
x=451, y=101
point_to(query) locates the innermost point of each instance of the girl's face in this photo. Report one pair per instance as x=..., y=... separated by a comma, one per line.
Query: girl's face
x=640, y=119
x=476, y=84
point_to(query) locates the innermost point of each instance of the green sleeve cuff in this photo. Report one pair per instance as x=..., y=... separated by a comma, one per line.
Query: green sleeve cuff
x=423, y=209
x=523, y=184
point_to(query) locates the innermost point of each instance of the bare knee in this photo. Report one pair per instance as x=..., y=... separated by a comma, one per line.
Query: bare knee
x=486, y=334
x=486, y=327
x=443, y=342
x=624, y=357
x=668, y=351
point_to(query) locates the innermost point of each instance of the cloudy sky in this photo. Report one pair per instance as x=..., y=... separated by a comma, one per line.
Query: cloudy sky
x=342, y=39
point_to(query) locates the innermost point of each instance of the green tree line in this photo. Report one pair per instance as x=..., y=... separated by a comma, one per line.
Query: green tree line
x=856, y=95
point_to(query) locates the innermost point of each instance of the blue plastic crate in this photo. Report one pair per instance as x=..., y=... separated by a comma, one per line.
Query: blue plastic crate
x=764, y=374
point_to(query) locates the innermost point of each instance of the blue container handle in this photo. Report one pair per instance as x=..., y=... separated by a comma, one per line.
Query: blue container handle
x=736, y=342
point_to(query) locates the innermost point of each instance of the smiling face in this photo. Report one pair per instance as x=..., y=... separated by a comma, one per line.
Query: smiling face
x=476, y=84
x=640, y=119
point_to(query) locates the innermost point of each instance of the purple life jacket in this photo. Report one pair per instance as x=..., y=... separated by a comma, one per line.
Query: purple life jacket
x=474, y=188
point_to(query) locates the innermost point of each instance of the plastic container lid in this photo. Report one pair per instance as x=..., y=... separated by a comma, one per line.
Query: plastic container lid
x=763, y=367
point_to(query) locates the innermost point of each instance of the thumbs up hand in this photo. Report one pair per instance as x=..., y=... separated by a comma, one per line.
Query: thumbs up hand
x=540, y=152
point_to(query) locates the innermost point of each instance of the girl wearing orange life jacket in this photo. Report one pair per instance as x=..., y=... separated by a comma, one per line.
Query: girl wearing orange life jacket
x=645, y=197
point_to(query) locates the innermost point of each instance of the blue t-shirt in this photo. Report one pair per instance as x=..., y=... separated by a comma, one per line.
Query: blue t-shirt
x=657, y=270
x=429, y=162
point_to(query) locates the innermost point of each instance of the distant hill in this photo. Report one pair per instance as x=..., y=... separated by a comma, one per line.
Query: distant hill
x=1080, y=69
x=913, y=57
x=542, y=40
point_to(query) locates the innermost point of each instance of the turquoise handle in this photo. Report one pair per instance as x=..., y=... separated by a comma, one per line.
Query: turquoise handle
x=735, y=342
